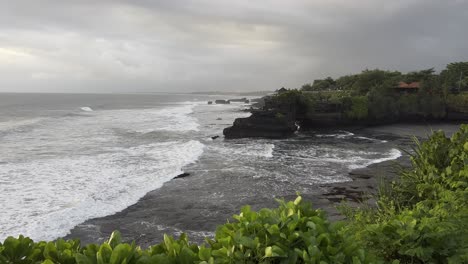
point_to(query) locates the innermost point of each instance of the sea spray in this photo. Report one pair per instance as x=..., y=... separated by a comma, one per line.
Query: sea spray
x=60, y=193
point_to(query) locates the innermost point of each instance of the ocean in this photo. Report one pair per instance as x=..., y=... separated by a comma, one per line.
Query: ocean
x=69, y=158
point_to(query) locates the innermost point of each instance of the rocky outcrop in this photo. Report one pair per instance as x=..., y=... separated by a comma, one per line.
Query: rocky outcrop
x=257, y=103
x=182, y=175
x=222, y=102
x=241, y=100
x=457, y=116
x=267, y=124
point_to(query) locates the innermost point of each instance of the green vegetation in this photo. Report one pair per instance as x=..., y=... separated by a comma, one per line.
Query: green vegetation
x=359, y=107
x=455, y=76
x=421, y=218
x=458, y=102
x=374, y=96
x=292, y=233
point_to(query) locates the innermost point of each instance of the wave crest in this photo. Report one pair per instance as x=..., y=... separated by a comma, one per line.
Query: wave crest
x=87, y=186
x=86, y=109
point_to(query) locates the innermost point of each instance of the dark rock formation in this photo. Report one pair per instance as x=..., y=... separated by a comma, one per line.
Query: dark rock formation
x=258, y=102
x=268, y=124
x=214, y=137
x=210, y=102
x=222, y=102
x=238, y=100
x=276, y=119
x=183, y=175
x=457, y=116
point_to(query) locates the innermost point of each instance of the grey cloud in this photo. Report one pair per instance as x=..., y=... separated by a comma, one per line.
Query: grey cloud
x=125, y=46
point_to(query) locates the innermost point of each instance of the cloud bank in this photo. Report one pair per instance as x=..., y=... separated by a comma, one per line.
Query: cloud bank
x=214, y=45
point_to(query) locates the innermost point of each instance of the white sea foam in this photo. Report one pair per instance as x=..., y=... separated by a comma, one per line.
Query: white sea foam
x=390, y=155
x=372, y=139
x=86, y=109
x=69, y=169
x=335, y=156
x=54, y=195
x=14, y=124
x=358, y=159
x=176, y=118
x=241, y=150
x=342, y=134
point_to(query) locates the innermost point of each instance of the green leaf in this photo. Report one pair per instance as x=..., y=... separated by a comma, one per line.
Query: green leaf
x=298, y=200
x=247, y=242
x=278, y=252
x=268, y=252
x=104, y=253
x=120, y=253
x=115, y=239
x=204, y=253
x=82, y=259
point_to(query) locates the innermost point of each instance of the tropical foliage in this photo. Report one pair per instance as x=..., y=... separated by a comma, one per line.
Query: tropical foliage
x=292, y=233
x=437, y=94
x=423, y=217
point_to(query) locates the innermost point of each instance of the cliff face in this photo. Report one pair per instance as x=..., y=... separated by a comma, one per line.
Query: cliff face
x=280, y=114
x=268, y=124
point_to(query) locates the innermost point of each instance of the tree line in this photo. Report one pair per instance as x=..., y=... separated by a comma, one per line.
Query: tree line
x=375, y=95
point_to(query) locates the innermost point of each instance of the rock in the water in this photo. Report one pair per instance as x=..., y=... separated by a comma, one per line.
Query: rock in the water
x=214, y=137
x=258, y=102
x=183, y=175
x=222, y=102
x=268, y=124
x=219, y=118
x=210, y=102
x=240, y=100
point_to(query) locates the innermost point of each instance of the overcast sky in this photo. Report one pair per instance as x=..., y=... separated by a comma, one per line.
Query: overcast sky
x=208, y=45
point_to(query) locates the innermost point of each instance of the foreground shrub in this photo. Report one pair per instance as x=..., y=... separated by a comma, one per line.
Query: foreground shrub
x=292, y=233
x=422, y=218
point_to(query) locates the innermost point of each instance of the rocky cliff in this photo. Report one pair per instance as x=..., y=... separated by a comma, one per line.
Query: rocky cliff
x=268, y=124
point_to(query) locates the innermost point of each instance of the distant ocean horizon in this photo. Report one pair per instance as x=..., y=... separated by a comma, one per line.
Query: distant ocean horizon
x=67, y=158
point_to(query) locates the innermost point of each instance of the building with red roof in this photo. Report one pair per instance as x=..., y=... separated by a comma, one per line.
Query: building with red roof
x=408, y=87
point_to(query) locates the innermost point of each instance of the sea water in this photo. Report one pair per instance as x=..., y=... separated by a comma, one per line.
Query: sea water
x=67, y=158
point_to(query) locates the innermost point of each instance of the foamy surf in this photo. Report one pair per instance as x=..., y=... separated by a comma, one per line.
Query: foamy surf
x=359, y=159
x=246, y=150
x=55, y=195
x=176, y=118
x=342, y=134
x=372, y=139
x=86, y=109
x=350, y=159
x=15, y=124
x=393, y=154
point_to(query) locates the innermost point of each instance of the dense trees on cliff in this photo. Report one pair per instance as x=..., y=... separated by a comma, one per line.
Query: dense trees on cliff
x=453, y=78
x=377, y=95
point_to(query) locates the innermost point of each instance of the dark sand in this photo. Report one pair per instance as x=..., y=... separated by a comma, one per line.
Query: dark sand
x=188, y=205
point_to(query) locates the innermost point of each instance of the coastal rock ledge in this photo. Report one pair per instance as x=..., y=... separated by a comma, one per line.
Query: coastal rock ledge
x=266, y=124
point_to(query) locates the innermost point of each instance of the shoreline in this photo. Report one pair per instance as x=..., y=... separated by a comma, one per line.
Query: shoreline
x=198, y=210
x=141, y=217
